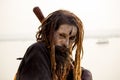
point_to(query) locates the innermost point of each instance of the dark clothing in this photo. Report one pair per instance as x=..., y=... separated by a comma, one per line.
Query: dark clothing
x=36, y=65
x=86, y=75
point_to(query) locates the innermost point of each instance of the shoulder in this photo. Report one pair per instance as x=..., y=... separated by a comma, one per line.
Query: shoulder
x=35, y=64
x=86, y=74
x=37, y=45
x=36, y=50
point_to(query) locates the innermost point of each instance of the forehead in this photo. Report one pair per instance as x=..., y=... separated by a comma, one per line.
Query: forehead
x=67, y=29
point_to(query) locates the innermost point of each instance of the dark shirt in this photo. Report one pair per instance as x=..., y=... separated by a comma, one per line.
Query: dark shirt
x=35, y=65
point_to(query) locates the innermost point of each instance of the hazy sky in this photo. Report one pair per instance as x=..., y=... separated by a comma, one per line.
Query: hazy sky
x=100, y=17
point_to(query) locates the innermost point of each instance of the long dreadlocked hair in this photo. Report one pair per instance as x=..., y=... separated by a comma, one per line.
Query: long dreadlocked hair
x=46, y=31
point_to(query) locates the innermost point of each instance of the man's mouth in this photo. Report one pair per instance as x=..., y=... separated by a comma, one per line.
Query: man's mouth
x=61, y=49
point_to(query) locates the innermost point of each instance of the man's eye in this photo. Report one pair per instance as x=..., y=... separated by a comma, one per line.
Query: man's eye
x=72, y=38
x=62, y=36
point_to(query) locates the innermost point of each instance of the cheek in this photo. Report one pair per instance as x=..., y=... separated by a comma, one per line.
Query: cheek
x=57, y=41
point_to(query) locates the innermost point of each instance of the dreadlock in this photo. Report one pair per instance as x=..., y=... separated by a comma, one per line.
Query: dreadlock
x=46, y=31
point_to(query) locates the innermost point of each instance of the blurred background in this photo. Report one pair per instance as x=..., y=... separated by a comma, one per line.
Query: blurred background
x=101, y=20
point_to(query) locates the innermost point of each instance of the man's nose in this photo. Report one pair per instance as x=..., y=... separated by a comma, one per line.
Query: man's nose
x=66, y=43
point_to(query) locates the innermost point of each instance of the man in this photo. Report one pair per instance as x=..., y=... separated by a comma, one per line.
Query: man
x=50, y=57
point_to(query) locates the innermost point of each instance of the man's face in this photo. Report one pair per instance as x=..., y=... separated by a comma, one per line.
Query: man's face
x=65, y=35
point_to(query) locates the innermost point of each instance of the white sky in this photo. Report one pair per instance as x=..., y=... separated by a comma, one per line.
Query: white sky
x=100, y=17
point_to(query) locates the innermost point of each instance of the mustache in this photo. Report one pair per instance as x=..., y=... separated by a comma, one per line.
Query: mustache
x=62, y=49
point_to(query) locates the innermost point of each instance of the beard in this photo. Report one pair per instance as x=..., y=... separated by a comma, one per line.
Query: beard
x=63, y=62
